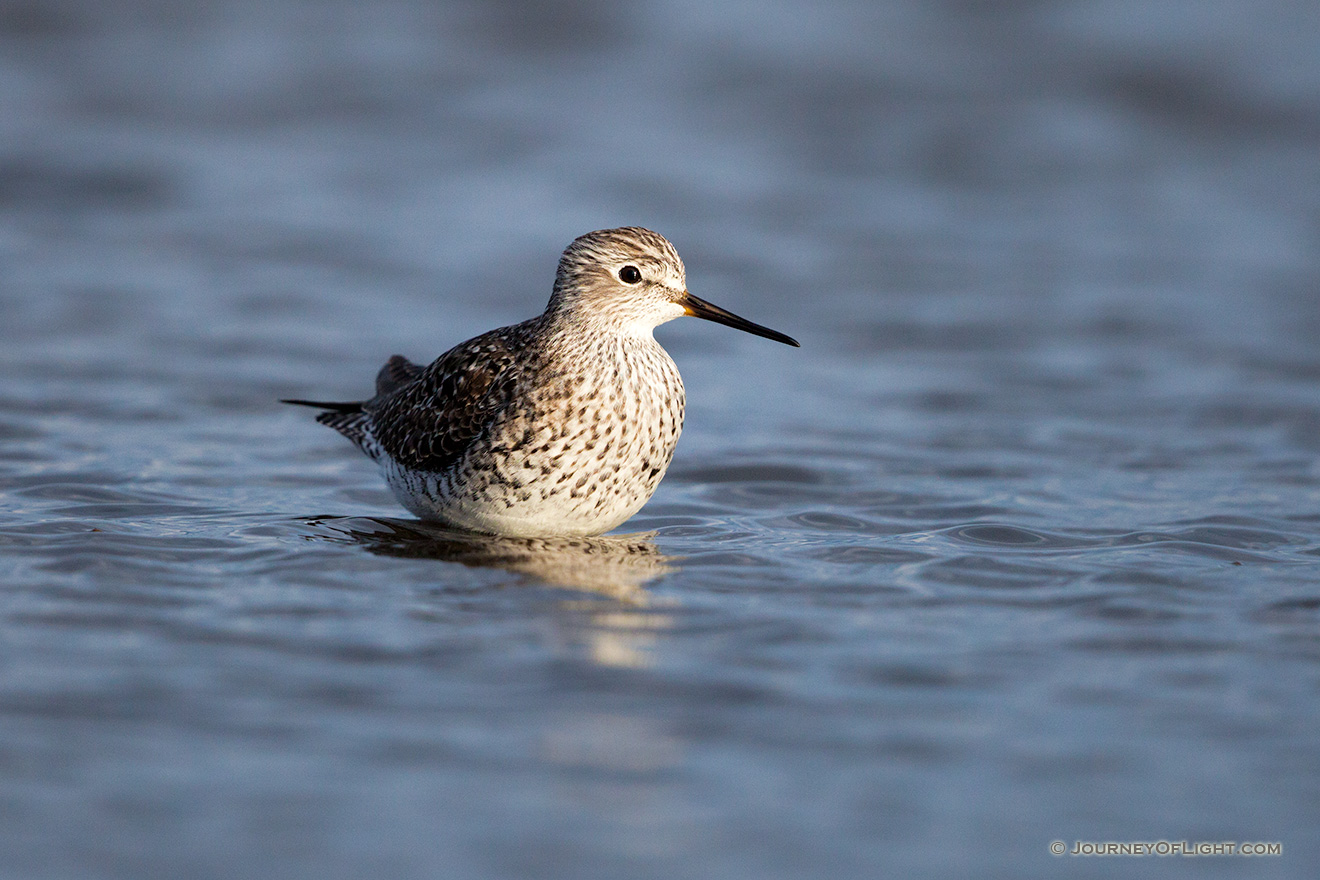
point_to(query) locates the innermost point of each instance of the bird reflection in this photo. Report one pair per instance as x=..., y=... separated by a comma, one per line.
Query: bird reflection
x=617, y=566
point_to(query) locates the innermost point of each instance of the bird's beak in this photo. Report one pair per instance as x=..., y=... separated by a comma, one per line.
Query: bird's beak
x=699, y=308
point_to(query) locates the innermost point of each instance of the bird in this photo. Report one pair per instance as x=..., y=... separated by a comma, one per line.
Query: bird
x=561, y=425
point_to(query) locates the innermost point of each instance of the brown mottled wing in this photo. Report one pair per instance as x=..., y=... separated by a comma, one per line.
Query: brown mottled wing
x=427, y=424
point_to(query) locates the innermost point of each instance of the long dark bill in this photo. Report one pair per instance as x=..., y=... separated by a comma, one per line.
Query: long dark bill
x=699, y=308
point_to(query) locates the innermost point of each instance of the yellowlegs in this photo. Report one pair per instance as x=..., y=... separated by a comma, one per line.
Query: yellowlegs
x=561, y=425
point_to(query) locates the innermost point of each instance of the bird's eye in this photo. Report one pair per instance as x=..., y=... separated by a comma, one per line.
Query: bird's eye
x=630, y=275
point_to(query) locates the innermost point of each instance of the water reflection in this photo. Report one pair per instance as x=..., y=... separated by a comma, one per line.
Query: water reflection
x=609, y=637
x=617, y=566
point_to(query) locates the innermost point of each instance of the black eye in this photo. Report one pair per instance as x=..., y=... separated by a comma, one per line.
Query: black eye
x=630, y=275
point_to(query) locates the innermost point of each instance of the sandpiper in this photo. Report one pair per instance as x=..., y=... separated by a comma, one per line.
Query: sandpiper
x=561, y=425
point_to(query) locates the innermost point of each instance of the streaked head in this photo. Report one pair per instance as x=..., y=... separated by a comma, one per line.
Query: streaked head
x=633, y=279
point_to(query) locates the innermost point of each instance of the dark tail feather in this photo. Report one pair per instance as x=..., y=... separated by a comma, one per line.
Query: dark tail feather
x=346, y=418
x=334, y=407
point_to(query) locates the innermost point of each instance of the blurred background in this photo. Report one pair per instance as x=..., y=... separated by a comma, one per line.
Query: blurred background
x=1020, y=546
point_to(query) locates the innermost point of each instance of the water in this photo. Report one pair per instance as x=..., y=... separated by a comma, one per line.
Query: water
x=1020, y=546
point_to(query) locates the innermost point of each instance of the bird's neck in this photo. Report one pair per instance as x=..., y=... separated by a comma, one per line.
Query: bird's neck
x=594, y=330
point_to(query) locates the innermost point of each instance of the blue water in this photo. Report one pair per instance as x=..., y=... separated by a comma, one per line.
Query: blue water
x=1022, y=545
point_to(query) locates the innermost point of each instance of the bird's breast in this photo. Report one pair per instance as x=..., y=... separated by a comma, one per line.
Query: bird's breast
x=602, y=423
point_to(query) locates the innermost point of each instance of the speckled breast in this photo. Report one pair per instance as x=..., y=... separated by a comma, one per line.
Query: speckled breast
x=584, y=449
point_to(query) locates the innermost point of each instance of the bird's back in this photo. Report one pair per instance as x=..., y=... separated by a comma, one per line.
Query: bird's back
x=424, y=419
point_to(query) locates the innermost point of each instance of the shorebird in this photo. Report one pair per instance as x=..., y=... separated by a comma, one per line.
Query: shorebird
x=561, y=425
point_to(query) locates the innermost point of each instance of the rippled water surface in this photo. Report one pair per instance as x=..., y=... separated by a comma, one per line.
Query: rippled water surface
x=1022, y=545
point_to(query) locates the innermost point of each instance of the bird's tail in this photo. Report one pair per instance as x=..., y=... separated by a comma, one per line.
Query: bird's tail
x=355, y=407
x=349, y=419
